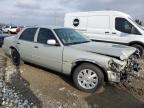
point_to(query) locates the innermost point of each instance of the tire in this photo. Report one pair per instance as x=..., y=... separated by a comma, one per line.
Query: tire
x=81, y=82
x=140, y=49
x=15, y=56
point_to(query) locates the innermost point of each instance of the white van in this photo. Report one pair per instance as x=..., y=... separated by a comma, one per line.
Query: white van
x=108, y=26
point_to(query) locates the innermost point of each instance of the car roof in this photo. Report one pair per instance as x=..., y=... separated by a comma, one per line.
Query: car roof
x=104, y=12
x=49, y=27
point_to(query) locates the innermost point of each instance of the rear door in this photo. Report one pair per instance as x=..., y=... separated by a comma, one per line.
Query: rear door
x=25, y=44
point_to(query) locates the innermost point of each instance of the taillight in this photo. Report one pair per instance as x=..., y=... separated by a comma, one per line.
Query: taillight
x=18, y=29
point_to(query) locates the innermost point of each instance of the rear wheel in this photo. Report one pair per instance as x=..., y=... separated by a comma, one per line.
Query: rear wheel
x=140, y=49
x=15, y=57
x=88, y=77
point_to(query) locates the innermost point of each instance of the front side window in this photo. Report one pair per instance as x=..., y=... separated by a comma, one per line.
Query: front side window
x=70, y=36
x=125, y=26
x=44, y=35
x=28, y=34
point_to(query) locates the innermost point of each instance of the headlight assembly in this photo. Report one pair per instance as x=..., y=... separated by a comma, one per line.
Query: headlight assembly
x=113, y=66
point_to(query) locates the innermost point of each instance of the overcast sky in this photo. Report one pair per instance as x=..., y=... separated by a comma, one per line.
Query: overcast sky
x=51, y=12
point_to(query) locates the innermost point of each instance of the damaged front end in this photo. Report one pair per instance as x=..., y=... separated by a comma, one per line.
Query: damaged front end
x=119, y=70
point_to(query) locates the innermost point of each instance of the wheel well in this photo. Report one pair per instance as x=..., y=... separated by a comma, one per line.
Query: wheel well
x=13, y=48
x=81, y=62
x=136, y=42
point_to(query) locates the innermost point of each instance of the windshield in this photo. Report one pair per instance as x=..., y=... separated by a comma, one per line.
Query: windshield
x=142, y=27
x=70, y=36
x=136, y=23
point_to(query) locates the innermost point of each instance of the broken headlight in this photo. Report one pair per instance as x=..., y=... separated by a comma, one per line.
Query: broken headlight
x=115, y=67
x=133, y=64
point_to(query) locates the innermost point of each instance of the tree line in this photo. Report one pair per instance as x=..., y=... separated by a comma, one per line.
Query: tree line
x=139, y=22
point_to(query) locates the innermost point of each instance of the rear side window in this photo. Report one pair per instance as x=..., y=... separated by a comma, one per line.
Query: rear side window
x=44, y=35
x=13, y=27
x=125, y=26
x=28, y=34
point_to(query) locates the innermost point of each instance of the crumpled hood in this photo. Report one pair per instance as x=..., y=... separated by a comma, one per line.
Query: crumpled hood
x=119, y=51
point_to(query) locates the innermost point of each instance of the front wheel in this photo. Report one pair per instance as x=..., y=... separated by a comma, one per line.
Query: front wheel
x=15, y=56
x=88, y=77
x=140, y=50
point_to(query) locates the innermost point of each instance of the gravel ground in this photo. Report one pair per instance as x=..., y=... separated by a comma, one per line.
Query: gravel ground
x=15, y=90
x=43, y=88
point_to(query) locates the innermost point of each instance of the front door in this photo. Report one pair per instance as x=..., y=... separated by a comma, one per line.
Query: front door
x=124, y=31
x=47, y=55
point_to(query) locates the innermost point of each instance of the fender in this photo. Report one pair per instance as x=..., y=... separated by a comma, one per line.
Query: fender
x=85, y=60
x=75, y=63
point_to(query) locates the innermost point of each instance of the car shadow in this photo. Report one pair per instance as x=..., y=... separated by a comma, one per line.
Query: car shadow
x=112, y=97
x=67, y=78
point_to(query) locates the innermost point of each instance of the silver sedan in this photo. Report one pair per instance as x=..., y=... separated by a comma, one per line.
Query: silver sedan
x=69, y=52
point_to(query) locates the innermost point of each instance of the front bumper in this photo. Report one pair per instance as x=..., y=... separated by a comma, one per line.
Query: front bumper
x=119, y=76
x=113, y=76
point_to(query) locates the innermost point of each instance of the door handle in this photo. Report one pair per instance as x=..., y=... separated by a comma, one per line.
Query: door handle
x=18, y=43
x=107, y=32
x=113, y=33
x=35, y=46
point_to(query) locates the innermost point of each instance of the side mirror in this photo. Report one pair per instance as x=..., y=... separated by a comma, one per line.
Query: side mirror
x=51, y=42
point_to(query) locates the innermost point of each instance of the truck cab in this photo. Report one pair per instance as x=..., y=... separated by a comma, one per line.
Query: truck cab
x=108, y=26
